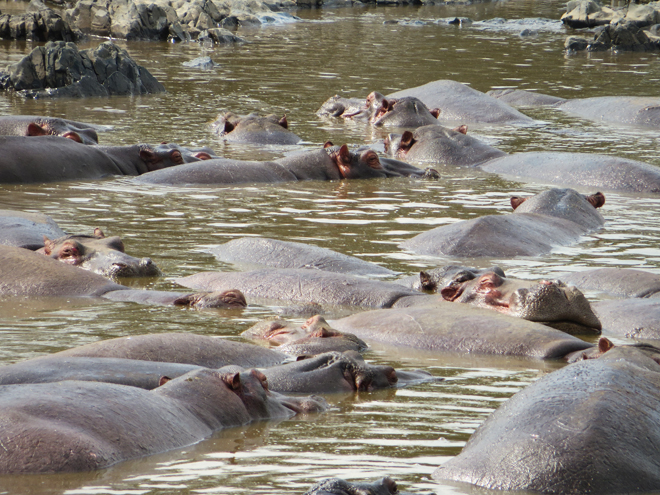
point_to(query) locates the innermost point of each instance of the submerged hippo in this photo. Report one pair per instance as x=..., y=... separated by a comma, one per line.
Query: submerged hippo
x=300, y=285
x=26, y=273
x=188, y=155
x=51, y=158
x=27, y=230
x=553, y=218
x=440, y=145
x=99, y=254
x=264, y=252
x=336, y=486
x=588, y=428
x=627, y=110
x=461, y=104
x=605, y=172
x=550, y=302
x=334, y=164
x=30, y=125
x=459, y=328
x=73, y=426
x=633, y=318
x=619, y=282
x=254, y=129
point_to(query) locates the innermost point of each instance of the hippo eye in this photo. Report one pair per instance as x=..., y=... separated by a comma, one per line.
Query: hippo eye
x=176, y=157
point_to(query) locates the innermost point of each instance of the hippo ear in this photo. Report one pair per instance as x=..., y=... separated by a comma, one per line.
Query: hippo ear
x=604, y=345
x=390, y=484
x=344, y=154
x=328, y=144
x=435, y=112
x=233, y=380
x=597, y=200
x=450, y=293
x=35, y=130
x=202, y=155
x=517, y=201
x=163, y=380
x=149, y=158
x=426, y=281
x=175, y=156
x=461, y=128
x=98, y=233
x=48, y=246
x=283, y=122
x=228, y=127
x=261, y=377
x=233, y=298
x=73, y=136
x=407, y=140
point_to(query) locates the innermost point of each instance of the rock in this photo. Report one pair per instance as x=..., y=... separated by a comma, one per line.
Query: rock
x=587, y=13
x=60, y=69
x=575, y=44
x=38, y=23
x=622, y=35
x=201, y=63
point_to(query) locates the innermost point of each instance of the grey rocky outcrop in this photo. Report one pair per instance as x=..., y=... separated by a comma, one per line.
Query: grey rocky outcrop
x=60, y=69
x=38, y=23
x=591, y=13
x=619, y=36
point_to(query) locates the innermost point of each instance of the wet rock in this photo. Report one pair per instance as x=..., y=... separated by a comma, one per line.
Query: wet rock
x=60, y=69
x=576, y=44
x=201, y=63
x=38, y=23
x=587, y=13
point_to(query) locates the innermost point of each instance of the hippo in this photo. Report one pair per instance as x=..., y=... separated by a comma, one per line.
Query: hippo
x=27, y=230
x=312, y=337
x=550, y=302
x=333, y=164
x=337, y=106
x=27, y=273
x=301, y=285
x=440, y=145
x=459, y=328
x=72, y=426
x=588, y=428
x=51, y=158
x=461, y=104
x=99, y=254
x=557, y=217
x=336, y=486
x=188, y=155
x=626, y=110
x=327, y=373
x=433, y=280
x=254, y=129
x=633, y=318
x=619, y=282
x=30, y=125
x=264, y=252
x=182, y=348
x=606, y=172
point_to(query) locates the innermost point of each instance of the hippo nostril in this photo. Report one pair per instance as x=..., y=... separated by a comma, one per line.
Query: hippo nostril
x=146, y=262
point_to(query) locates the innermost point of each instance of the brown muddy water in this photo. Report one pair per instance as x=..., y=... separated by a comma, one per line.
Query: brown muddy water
x=292, y=67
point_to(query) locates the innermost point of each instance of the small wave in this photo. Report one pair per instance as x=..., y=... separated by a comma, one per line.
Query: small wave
x=534, y=24
x=278, y=18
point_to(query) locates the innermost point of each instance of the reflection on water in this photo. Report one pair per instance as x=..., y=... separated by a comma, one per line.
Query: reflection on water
x=292, y=68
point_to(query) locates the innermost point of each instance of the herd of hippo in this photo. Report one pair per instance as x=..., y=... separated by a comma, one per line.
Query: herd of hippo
x=573, y=431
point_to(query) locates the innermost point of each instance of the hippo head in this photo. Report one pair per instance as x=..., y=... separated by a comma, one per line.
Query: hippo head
x=58, y=127
x=278, y=331
x=188, y=155
x=403, y=112
x=252, y=388
x=320, y=337
x=550, y=302
x=160, y=157
x=361, y=165
x=219, y=299
x=399, y=145
x=336, y=486
x=99, y=254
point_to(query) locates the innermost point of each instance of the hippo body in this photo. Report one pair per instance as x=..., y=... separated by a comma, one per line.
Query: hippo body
x=447, y=327
x=522, y=98
x=74, y=426
x=264, y=252
x=633, y=318
x=461, y=104
x=440, y=145
x=619, y=282
x=31, y=125
x=51, y=158
x=301, y=285
x=606, y=172
x=254, y=129
x=554, y=217
x=27, y=230
x=588, y=428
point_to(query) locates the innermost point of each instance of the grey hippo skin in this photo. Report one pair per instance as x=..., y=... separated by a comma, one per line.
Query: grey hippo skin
x=312, y=337
x=440, y=145
x=626, y=110
x=619, y=282
x=301, y=285
x=26, y=273
x=331, y=164
x=550, y=302
x=337, y=106
x=254, y=129
x=264, y=252
x=557, y=217
x=588, y=428
x=52, y=158
x=188, y=155
x=27, y=230
x=461, y=104
x=633, y=318
x=336, y=486
x=459, y=328
x=182, y=348
x=606, y=172
x=99, y=254
x=30, y=125
x=74, y=426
